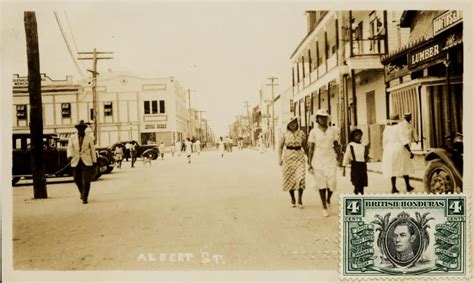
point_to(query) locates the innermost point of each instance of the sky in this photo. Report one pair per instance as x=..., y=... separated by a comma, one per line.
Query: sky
x=222, y=51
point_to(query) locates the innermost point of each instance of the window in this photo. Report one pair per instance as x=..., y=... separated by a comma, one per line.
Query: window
x=21, y=112
x=66, y=110
x=91, y=112
x=107, y=108
x=162, y=106
x=150, y=107
x=146, y=106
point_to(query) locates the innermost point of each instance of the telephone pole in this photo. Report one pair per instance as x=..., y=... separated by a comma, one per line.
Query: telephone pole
x=249, y=126
x=36, y=108
x=94, y=59
x=200, y=123
x=273, y=84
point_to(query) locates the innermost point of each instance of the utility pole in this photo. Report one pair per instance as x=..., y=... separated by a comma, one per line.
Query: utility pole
x=94, y=59
x=273, y=84
x=36, y=106
x=200, y=123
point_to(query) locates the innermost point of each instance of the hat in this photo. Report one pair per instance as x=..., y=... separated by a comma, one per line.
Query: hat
x=293, y=118
x=81, y=125
x=407, y=114
x=322, y=112
x=394, y=117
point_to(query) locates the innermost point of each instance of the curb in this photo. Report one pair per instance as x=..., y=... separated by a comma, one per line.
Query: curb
x=380, y=172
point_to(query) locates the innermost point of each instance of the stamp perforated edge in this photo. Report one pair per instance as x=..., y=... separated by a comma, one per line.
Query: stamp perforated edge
x=403, y=278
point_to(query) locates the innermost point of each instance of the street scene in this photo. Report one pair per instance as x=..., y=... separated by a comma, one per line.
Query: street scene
x=199, y=137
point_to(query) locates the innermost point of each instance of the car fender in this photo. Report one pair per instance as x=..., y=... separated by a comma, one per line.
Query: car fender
x=444, y=156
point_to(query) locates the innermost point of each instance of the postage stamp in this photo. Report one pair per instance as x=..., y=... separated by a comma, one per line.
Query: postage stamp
x=402, y=236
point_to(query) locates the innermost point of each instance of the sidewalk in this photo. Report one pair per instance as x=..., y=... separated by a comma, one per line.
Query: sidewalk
x=418, y=167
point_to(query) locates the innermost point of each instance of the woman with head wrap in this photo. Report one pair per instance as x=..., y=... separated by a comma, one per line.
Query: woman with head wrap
x=292, y=151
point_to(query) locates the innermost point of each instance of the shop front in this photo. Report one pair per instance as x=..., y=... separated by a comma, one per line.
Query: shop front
x=425, y=78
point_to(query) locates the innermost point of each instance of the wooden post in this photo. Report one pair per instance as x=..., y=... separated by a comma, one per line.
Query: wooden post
x=36, y=111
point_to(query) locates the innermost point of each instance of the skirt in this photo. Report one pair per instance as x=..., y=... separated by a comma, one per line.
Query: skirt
x=359, y=174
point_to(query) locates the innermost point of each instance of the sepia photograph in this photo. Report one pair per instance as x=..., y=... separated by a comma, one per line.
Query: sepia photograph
x=176, y=139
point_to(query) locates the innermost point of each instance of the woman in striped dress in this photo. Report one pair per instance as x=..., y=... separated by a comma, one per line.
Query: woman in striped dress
x=292, y=151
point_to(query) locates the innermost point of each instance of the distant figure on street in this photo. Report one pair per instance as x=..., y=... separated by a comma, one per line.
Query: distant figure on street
x=197, y=144
x=396, y=154
x=133, y=153
x=322, y=158
x=356, y=156
x=162, y=150
x=127, y=151
x=292, y=152
x=178, y=147
x=261, y=144
x=189, y=149
x=221, y=146
x=183, y=145
x=173, y=149
x=118, y=155
x=231, y=144
x=82, y=155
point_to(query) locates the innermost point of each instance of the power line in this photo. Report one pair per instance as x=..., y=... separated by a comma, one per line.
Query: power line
x=69, y=47
x=73, y=38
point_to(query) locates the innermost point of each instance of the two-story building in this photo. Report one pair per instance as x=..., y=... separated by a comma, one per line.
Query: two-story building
x=149, y=110
x=337, y=66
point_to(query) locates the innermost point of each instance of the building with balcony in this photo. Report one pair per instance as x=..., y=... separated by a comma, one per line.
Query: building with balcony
x=337, y=66
x=425, y=76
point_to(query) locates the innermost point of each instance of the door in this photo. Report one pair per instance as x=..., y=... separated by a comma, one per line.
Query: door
x=370, y=106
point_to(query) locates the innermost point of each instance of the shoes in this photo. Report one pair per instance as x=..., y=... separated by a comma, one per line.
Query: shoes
x=300, y=205
x=84, y=201
x=293, y=204
x=325, y=213
x=409, y=189
x=394, y=191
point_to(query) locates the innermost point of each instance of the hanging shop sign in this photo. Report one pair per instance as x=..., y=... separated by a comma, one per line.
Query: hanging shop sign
x=425, y=54
x=445, y=21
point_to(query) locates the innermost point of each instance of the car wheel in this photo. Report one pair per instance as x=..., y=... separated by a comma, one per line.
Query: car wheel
x=152, y=155
x=109, y=169
x=438, y=178
x=15, y=180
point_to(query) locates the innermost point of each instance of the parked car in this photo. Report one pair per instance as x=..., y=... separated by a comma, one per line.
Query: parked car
x=55, y=158
x=149, y=150
x=444, y=171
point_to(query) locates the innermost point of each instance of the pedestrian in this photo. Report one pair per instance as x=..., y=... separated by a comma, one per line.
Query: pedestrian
x=127, y=151
x=396, y=154
x=133, y=153
x=221, y=146
x=261, y=144
x=231, y=144
x=357, y=156
x=198, y=146
x=292, y=152
x=189, y=149
x=118, y=155
x=322, y=158
x=408, y=129
x=178, y=147
x=162, y=150
x=83, y=159
x=183, y=145
x=173, y=149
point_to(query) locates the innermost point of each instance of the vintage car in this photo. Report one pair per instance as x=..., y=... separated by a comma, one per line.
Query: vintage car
x=444, y=170
x=55, y=158
x=150, y=150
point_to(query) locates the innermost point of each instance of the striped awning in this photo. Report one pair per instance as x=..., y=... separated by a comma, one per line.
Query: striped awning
x=406, y=100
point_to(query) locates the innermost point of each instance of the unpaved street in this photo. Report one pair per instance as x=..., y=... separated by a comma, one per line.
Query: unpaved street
x=213, y=214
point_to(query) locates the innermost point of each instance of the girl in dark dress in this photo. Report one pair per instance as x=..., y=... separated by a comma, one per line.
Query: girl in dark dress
x=357, y=156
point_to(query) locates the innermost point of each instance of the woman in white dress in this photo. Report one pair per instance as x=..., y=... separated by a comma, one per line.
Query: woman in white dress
x=178, y=147
x=322, y=158
x=396, y=154
x=221, y=146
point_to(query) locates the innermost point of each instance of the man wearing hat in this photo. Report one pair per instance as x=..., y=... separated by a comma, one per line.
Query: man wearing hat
x=82, y=155
x=408, y=127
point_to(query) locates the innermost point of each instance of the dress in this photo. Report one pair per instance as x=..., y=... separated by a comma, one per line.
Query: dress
x=293, y=161
x=324, y=160
x=118, y=153
x=221, y=147
x=189, y=149
x=395, y=159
